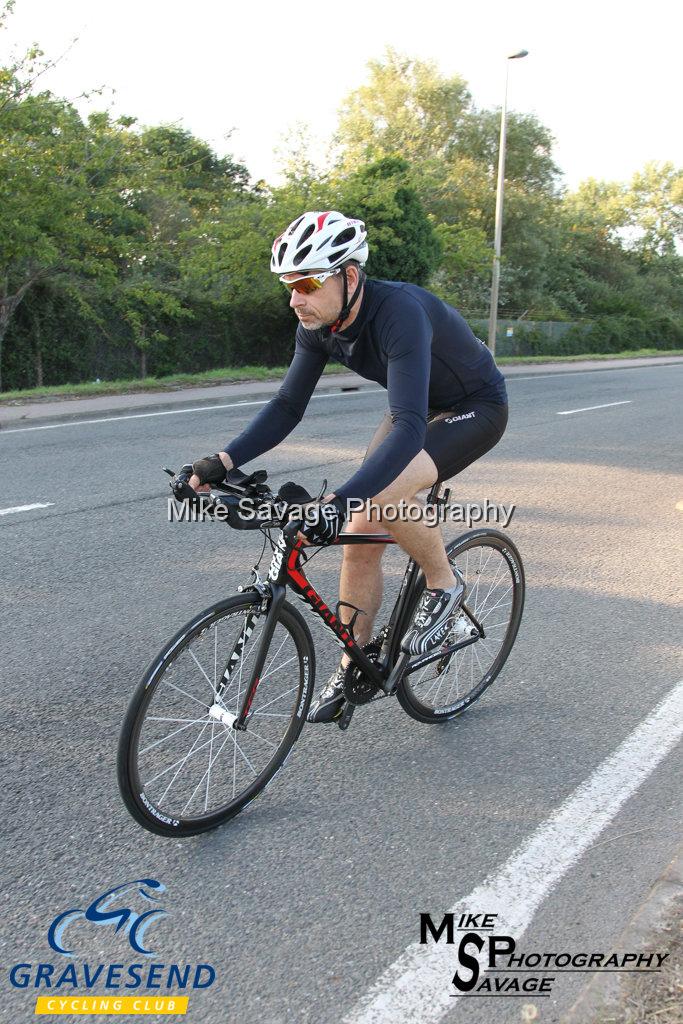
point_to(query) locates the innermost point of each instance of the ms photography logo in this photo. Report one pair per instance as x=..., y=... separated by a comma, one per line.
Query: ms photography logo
x=489, y=965
x=112, y=988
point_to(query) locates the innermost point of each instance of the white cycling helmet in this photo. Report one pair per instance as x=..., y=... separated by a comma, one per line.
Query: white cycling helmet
x=319, y=241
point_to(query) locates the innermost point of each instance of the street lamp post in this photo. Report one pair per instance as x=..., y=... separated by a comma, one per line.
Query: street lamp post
x=493, y=316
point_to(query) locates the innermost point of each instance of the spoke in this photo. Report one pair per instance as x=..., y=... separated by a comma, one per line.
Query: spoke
x=292, y=689
x=175, y=732
x=281, y=665
x=185, y=694
x=457, y=673
x=192, y=655
x=154, y=718
x=501, y=567
x=268, y=714
x=492, y=654
x=208, y=770
x=497, y=605
x=434, y=682
x=250, y=732
x=172, y=766
x=421, y=676
x=275, y=656
x=184, y=760
x=241, y=752
x=206, y=776
x=480, y=572
x=234, y=769
x=481, y=668
x=215, y=657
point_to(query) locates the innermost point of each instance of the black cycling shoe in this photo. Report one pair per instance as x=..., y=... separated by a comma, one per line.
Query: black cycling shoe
x=433, y=618
x=330, y=701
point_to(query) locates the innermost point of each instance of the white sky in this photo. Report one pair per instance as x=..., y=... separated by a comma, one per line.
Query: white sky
x=604, y=76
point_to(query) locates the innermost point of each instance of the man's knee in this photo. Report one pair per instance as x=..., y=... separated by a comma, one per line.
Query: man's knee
x=420, y=474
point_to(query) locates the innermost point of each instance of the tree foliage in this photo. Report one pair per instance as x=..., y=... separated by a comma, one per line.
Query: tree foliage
x=127, y=249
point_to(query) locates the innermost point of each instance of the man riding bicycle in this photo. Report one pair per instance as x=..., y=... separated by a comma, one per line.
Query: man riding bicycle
x=447, y=407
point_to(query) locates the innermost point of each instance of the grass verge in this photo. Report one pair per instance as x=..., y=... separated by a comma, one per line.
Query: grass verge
x=240, y=374
x=653, y=998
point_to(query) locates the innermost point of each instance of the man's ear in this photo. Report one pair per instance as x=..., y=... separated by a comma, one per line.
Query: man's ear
x=352, y=277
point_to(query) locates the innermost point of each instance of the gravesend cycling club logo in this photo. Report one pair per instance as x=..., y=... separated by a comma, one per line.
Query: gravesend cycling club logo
x=488, y=962
x=133, y=912
x=105, y=911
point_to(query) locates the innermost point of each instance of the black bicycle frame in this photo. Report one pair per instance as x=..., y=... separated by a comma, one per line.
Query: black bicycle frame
x=286, y=570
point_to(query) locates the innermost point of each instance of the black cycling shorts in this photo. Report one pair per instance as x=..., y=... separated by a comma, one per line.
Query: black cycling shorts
x=456, y=437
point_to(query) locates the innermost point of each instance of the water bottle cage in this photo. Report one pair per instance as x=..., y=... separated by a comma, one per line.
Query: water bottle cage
x=352, y=622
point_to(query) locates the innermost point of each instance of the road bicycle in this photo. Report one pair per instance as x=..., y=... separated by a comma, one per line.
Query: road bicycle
x=218, y=711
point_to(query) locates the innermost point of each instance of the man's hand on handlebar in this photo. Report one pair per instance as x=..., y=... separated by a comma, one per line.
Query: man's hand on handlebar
x=207, y=471
x=331, y=519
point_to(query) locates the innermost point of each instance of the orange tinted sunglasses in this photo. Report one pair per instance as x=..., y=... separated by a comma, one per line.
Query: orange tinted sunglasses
x=306, y=285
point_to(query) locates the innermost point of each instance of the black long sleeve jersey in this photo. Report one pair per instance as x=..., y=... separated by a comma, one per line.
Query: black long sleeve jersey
x=406, y=339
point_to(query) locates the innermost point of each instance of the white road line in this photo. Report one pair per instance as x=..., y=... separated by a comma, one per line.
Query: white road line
x=589, y=408
x=417, y=986
x=25, y=508
x=178, y=412
x=236, y=405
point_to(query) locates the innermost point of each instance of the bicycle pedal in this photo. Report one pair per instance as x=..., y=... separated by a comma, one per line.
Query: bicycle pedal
x=344, y=719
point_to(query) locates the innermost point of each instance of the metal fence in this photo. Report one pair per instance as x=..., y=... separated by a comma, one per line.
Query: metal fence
x=528, y=337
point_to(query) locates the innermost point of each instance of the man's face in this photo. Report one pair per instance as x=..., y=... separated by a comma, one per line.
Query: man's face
x=320, y=307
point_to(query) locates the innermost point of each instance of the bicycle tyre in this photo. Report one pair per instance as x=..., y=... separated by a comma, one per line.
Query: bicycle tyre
x=144, y=809
x=406, y=693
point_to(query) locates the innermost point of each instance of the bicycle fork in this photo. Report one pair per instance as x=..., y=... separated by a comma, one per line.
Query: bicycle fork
x=218, y=712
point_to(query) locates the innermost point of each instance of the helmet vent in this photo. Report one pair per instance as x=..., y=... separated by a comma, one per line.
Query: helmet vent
x=292, y=227
x=344, y=236
x=281, y=252
x=306, y=234
x=301, y=255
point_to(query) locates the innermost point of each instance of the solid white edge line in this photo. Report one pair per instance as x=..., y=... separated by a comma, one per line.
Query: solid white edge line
x=236, y=405
x=25, y=508
x=589, y=408
x=177, y=412
x=417, y=986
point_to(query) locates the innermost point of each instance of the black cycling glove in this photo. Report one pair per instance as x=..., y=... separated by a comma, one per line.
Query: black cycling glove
x=327, y=524
x=210, y=470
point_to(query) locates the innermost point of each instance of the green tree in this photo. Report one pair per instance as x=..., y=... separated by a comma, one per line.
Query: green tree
x=407, y=107
x=402, y=240
x=655, y=201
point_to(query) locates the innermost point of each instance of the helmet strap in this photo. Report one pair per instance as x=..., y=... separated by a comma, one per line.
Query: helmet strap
x=347, y=304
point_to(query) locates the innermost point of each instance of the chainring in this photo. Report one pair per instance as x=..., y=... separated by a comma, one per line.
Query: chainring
x=357, y=689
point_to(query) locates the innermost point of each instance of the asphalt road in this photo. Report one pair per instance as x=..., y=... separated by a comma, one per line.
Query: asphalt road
x=302, y=901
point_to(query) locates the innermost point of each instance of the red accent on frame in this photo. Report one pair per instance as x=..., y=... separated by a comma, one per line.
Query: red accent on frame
x=316, y=600
x=251, y=696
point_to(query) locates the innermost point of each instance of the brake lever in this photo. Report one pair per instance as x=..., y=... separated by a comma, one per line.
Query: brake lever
x=180, y=486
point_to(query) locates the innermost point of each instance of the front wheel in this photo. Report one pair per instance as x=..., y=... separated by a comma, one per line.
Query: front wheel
x=182, y=767
x=494, y=579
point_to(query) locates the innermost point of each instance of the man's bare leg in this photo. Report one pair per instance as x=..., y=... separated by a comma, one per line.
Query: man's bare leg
x=423, y=543
x=361, y=576
x=361, y=581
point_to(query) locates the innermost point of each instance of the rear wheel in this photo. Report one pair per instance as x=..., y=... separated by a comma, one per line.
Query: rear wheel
x=182, y=767
x=494, y=578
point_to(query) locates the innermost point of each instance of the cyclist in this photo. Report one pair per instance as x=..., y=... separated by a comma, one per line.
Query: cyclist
x=447, y=407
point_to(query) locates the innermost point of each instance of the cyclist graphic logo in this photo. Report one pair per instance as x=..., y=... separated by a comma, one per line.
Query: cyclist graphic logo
x=107, y=910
